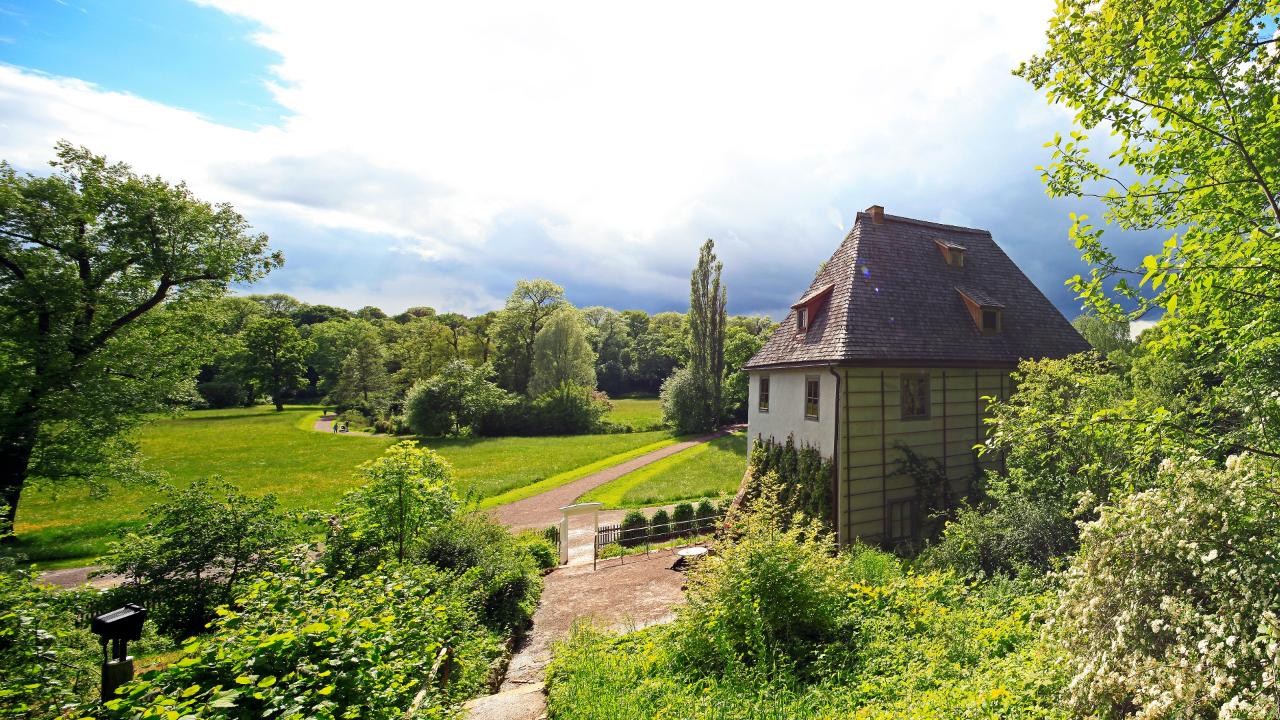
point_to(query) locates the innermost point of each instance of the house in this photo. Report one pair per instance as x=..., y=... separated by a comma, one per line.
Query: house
x=895, y=343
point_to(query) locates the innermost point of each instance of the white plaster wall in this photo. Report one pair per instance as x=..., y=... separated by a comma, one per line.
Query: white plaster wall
x=786, y=408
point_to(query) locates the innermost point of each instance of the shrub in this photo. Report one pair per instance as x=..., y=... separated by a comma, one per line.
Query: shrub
x=569, y=410
x=304, y=644
x=803, y=474
x=634, y=528
x=500, y=573
x=460, y=396
x=1170, y=609
x=1061, y=451
x=221, y=394
x=1011, y=538
x=684, y=405
x=545, y=553
x=407, y=492
x=770, y=597
x=705, y=509
x=46, y=658
x=552, y=534
x=660, y=524
x=683, y=517
x=196, y=549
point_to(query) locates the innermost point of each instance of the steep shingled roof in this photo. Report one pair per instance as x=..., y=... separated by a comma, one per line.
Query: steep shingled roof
x=894, y=300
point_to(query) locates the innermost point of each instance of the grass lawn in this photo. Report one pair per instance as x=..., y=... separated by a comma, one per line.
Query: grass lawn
x=636, y=413
x=706, y=470
x=263, y=451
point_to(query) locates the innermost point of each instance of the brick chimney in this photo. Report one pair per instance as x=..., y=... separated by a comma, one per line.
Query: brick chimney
x=877, y=214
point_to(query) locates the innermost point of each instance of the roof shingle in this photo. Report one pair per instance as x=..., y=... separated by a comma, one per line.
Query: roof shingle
x=894, y=300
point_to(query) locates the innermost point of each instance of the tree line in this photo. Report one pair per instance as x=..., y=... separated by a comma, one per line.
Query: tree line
x=114, y=306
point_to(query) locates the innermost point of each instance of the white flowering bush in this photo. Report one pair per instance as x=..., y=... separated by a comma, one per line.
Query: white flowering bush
x=1172, y=607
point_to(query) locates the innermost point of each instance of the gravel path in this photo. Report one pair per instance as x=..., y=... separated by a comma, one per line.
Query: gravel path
x=617, y=597
x=542, y=510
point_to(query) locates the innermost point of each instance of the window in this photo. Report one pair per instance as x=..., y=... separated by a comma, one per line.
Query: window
x=802, y=318
x=900, y=520
x=914, y=402
x=811, y=388
x=990, y=320
x=764, y=394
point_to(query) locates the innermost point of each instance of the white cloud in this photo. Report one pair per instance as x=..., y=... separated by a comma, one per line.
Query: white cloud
x=623, y=134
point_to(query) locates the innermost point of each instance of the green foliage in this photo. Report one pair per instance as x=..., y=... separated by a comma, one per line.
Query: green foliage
x=561, y=354
x=684, y=403
x=711, y=468
x=740, y=345
x=683, y=513
x=707, y=299
x=515, y=330
x=1184, y=93
x=460, y=396
x=705, y=509
x=542, y=547
x=1170, y=609
x=568, y=410
x=362, y=380
x=1016, y=537
x=1066, y=443
x=105, y=277
x=275, y=356
x=803, y=474
x=221, y=393
x=771, y=597
x=634, y=528
x=1105, y=335
x=407, y=493
x=780, y=627
x=499, y=573
x=196, y=550
x=660, y=523
x=43, y=651
x=301, y=643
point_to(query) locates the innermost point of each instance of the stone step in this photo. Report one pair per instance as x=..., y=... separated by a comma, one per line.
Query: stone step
x=522, y=703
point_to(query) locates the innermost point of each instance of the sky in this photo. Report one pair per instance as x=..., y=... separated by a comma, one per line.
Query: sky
x=404, y=154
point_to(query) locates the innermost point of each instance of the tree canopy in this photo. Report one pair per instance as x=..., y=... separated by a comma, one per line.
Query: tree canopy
x=103, y=273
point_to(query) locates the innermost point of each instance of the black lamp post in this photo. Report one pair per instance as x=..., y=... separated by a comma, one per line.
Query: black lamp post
x=118, y=626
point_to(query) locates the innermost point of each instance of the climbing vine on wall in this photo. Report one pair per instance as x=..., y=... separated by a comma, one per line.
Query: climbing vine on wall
x=804, y=474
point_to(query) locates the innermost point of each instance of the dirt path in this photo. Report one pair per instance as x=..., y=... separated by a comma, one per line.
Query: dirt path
x=77, y=577
x=542, y=510
x=617, y=597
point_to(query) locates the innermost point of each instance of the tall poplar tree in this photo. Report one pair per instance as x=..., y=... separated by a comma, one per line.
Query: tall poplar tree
x=707, y=320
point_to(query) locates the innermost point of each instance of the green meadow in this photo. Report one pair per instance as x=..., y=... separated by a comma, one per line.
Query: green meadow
x=263, y=451
x=707, y=470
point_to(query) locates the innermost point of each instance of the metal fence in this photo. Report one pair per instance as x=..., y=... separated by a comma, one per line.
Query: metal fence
x=650, y=535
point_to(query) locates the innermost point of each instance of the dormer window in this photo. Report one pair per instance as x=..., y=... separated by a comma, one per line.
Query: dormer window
x=952, y=252
x=987, y=312
x=810, y=306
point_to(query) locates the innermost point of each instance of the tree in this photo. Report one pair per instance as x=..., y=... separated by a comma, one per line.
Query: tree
x=455, y=398
x=332, y=341
x=406, y=493
x=706, y=330
x=371, y=313
x=279, y=304
x=1186, y=92
x=610, y=338
x=275, y=356
x=103, y=274
x=1104, y=334
x=516, y=328
x=363, y=379
x=197, y=547
x=684, y=405
x=740, y=346
x=562, y=354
